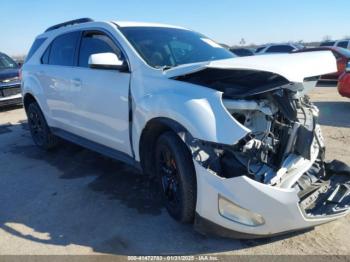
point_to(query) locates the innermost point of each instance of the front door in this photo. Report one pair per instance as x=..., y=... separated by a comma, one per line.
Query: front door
x=100, y=96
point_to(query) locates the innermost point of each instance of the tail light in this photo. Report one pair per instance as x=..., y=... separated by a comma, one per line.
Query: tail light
x=342, y=63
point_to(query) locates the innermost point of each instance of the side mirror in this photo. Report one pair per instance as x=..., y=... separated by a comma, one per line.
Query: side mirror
x=347, y=69
x=107, y=61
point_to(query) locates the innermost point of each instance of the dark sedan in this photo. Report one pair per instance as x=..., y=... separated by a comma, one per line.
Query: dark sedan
x=10, y=83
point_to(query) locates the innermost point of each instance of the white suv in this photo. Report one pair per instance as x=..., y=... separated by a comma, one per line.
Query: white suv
x=233, y=141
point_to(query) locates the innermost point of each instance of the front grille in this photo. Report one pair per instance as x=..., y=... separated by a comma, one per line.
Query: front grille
x=10, y=91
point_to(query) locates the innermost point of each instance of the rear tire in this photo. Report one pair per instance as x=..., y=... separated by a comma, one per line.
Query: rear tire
x=175, y=170
x=39, y=129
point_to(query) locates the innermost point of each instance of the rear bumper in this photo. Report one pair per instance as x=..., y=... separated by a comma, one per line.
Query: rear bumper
x=344, y=90
x=344, y=85
x=280, y=208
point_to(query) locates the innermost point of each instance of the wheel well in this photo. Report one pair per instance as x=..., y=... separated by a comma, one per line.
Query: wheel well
x=28, y=98
x=148, y=141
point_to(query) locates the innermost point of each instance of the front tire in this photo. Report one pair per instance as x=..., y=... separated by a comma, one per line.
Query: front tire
x=175, y=170
x=39, y=129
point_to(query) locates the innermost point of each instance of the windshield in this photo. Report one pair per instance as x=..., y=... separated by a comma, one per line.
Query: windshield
x=168, y=47
x=6, y=62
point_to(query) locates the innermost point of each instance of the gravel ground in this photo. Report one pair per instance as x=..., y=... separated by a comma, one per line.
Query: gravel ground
x=74, y=201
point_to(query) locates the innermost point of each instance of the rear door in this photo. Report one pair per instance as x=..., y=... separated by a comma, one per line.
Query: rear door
x=99, y=97
x=57, y=78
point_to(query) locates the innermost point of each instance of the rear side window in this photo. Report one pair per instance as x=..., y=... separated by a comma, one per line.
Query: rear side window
x=94, y=43
x=343, y=44
x=37, y=43
x=63, y=49
x=280, y=49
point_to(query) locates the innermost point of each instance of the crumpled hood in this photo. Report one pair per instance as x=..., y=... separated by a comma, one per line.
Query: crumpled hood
x=293, y=67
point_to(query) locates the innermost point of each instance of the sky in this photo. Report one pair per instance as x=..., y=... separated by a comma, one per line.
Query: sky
x=225, y=21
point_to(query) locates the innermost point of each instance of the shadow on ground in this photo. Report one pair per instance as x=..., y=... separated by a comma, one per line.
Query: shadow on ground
x=73, y=196
x=333, y=113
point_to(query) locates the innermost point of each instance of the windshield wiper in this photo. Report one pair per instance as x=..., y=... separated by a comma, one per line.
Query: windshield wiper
x=166, y=67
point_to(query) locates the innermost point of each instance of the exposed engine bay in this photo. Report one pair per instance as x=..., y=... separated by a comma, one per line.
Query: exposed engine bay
x=285, y=147
x=283, y=128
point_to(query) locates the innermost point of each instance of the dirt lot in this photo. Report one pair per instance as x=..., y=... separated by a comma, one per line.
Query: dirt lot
x=74, y=201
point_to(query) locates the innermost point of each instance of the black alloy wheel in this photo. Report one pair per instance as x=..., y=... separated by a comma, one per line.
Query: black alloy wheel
x=175, y=170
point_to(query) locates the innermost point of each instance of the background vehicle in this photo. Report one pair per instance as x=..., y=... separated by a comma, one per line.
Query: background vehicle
x=242, y=51
x=278, y=48
x=344, y=82
x=10, y=84
x=341, y=54
x=339, y=43
x=233, y=141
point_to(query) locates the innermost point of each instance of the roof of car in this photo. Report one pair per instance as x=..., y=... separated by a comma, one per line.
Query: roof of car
x=121, y=24
x=144, y=24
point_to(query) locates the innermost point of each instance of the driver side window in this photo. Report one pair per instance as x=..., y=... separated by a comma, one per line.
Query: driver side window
x=94, y=43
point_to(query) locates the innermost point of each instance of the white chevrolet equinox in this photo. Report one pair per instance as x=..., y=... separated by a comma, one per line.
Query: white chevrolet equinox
x=233, y=142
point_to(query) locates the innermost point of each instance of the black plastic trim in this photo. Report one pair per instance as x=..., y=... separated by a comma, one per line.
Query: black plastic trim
x=131, y=117
x=206, y=227
x=104, y=150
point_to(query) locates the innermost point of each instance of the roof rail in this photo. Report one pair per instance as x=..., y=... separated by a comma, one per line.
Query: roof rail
x=72, y=22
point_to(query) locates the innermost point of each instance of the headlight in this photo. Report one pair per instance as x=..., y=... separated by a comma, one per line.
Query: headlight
x=233, y=212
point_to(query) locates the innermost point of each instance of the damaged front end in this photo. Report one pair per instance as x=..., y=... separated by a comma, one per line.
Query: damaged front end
x=284, y=148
